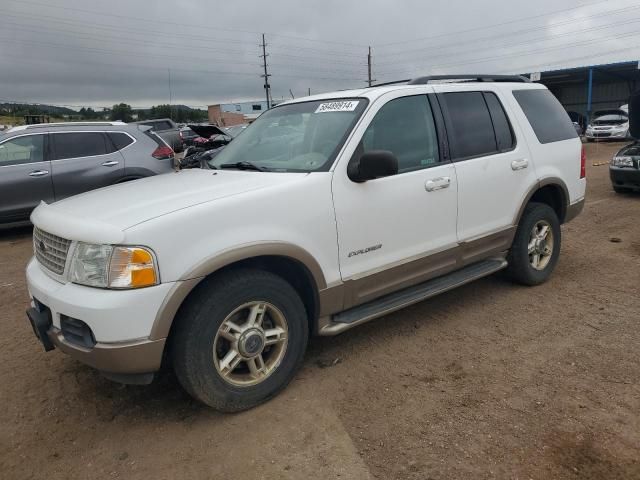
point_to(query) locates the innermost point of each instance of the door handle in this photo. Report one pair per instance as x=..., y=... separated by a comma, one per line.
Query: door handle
x=437, y=184
x=519, y=164
x=39, y=173
x=110, y=163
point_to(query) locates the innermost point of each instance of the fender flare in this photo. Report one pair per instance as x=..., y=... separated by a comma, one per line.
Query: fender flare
x=183, y=287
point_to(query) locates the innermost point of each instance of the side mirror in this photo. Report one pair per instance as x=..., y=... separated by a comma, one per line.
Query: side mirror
x=634, y=115
x=371, y=165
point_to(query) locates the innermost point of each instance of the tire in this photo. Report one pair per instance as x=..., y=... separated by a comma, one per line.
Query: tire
x=521, y=264
x=621, y=190
x=200, y=346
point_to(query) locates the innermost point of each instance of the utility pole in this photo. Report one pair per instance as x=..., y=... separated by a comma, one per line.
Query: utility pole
x=266, y=75
x=369, y=79
x=309, y=91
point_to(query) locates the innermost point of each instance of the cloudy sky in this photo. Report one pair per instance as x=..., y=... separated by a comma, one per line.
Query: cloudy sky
x=199, y=52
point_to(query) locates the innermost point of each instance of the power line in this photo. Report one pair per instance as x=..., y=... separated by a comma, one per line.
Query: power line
x=496, y=57
x=526, y=42
x=521, y=33
x=159, y=56
x=142, y=32
x=484, y=27
x=173, y=23
x=181, y=70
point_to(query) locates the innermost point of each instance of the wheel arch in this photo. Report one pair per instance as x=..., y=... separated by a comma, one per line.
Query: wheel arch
x=550, y=191
x=292, y=263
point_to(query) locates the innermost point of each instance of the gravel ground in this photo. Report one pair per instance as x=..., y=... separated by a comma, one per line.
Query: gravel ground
x=492, y=380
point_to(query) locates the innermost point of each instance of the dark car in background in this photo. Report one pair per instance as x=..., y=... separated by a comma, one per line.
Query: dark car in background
x=166, y=129
x=624, y=169
x=49, y=162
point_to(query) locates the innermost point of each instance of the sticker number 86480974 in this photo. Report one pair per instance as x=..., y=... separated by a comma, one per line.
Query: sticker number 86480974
x=339, y=106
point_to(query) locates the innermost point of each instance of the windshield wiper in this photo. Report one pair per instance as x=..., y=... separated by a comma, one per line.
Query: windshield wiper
x=244, y=166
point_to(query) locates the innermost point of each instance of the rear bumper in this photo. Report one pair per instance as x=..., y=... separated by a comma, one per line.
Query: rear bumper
x=625, y=177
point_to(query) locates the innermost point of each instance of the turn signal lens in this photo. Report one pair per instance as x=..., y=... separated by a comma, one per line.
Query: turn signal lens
x=132, y=267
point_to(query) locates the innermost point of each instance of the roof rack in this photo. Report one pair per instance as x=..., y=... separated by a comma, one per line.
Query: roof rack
x=74, y=124
x=470, y=78
x=462, y=77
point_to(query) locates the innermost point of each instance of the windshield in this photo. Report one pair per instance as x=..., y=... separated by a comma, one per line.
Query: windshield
x=299, y=137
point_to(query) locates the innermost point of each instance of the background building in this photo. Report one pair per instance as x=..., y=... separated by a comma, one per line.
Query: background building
x=585, y=90
x=228, y=114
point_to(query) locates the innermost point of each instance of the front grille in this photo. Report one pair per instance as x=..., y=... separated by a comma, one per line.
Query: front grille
x=50, y=250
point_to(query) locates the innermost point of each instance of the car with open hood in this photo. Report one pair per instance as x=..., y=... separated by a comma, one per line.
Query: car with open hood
x=608, y=125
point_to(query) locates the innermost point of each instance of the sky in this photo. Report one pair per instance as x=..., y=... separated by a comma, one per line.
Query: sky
x=201, y=52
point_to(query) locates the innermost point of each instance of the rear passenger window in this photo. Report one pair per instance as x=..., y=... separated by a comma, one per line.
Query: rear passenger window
x=469, y=126
x=549, y=120
x=501, y=125
x=120, y=140
x=405, y=127
x=80, y=144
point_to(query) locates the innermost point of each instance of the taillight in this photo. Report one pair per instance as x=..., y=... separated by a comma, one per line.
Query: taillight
x=583, y=163
x=162, y=153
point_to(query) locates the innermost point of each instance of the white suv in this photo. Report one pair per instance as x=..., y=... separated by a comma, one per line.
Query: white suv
x=325, y=213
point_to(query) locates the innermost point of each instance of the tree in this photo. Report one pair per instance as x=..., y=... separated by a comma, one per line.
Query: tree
x=122, y=112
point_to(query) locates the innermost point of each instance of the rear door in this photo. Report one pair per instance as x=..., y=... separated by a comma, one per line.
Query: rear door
x=83, y=161
x=25, y=176
x=492, y=162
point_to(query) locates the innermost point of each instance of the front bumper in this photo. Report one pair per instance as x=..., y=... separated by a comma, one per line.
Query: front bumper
x=625, y=177
x=608, y=135
x=120, y=322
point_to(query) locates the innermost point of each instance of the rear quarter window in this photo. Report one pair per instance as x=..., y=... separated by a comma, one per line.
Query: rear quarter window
x=120, y=140
x=549, y=120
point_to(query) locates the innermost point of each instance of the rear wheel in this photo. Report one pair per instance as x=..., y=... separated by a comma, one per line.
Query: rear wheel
x=621, y=189
x=536, y=246
x=239, y=339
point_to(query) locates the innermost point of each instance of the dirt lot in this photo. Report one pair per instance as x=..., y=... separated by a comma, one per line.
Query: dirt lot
x=490, y=381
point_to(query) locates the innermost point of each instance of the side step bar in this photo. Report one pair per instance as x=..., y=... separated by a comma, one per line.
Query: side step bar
x=395, y=301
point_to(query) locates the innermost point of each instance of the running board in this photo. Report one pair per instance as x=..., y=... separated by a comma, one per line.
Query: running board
x=395, y=301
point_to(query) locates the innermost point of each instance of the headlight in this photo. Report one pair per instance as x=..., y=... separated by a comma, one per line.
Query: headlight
x=622, y=162
x=106, y=266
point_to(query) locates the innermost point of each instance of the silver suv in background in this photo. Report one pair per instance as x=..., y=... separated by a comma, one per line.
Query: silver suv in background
x=53, y=161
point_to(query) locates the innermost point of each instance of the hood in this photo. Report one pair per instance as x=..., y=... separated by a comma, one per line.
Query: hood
x=102, y=215
x=632, y=150
x=206, y=130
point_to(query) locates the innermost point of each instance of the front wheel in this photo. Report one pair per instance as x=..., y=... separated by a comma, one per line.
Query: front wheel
x=239, y=339
x=536, y=246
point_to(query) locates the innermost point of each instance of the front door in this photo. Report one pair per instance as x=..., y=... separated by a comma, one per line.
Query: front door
x=83, y=161
x=25, y=176
x=400, y=230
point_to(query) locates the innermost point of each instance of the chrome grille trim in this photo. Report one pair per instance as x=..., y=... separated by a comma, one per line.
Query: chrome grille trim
x=54, y=255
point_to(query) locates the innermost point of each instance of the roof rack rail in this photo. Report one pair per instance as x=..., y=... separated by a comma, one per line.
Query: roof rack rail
x=395, y=82
x=470, y=78
x=74, y=124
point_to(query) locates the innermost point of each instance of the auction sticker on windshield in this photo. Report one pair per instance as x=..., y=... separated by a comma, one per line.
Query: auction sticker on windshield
x=344, y=106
